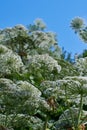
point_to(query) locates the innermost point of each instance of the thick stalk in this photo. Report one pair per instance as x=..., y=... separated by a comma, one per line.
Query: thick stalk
x=80, y=110
x=68, y=106
x=45, y=124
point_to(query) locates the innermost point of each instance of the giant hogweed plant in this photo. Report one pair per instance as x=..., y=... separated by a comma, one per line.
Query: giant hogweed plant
x=76, y=91
x=73, y=91
x=33, y=80
x=17, y=77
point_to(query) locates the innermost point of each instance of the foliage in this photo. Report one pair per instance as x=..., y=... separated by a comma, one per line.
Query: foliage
x=66, y=56
x=36, y=84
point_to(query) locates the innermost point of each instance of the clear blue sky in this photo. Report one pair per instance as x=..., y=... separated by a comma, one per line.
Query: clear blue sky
x=57, y=14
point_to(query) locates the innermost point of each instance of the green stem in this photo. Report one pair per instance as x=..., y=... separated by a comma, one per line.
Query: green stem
x=6, y=119
x=80, y=110
x=68, y=106
x=45, y=124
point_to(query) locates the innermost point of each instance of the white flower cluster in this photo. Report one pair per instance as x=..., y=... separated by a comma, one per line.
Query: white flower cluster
x=31, y=90
x=3, y=119
x=80, y=88
x=81, y=65
x=8, y=33
x=34, y=100
x=34, y=122
x=52, y=88
x=81, y=79
x=23, y=89
x=9, y=61
x=39, y=22
x=43, y=40
x=33, y=94
x=20, y=27
x=72, y=86
x=44, y=60
x=3, y=49
x=7, y=84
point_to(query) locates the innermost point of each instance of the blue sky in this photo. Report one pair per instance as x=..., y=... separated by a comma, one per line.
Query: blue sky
x=57, y=14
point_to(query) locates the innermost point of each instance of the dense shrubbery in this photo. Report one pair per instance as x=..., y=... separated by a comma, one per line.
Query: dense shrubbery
x=38, y=89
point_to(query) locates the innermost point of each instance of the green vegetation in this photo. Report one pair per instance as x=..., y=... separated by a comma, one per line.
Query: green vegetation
x=40, y=87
